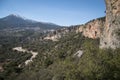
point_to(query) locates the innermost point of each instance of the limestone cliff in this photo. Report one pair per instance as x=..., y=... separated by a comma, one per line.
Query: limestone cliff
x=92, y=29
x=111, y=34
x=107, y=29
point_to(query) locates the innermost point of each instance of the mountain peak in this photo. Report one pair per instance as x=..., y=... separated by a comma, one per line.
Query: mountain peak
x=16, y=16
x=14, y=20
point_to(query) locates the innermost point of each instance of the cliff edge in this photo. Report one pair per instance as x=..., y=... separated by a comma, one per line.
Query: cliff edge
x=111, y=34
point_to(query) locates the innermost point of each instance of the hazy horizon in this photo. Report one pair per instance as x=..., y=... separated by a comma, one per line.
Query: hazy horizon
x=61, y=12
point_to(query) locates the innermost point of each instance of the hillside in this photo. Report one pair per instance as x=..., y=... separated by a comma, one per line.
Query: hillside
x=63, y=60
x=81, y=52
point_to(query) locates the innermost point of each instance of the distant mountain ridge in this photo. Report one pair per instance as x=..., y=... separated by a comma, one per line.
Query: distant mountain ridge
x=13, y=21
x=12, y=17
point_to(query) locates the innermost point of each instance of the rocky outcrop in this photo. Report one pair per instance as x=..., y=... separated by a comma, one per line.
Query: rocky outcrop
x=92, y=29
x=78, y=53
x=57, y=34
x=111, y=34
x=107, y=29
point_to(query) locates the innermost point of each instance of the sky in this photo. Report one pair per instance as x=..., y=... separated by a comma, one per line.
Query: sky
x=61, y=12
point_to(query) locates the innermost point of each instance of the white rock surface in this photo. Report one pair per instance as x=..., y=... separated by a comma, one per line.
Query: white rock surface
x=78, y=53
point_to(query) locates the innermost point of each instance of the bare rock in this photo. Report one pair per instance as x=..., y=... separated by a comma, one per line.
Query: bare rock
x=111, y=33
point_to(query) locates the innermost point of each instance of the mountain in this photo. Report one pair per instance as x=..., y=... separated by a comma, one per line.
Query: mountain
x=16, y=21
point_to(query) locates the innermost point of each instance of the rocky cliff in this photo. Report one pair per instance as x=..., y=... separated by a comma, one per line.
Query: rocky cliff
x=106, y=28
x=91, y=29
x=111, y=34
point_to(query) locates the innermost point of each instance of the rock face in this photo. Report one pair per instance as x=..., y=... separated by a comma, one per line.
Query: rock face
x=107, y=29
x=92, y=29
x=111, y=34
x=55, y=35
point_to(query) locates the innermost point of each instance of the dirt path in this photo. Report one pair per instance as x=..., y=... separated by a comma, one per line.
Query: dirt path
x=34, y=54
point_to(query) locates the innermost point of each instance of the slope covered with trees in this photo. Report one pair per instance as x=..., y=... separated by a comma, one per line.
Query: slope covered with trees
x=56, y=61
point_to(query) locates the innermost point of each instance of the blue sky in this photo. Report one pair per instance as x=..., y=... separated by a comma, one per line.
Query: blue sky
x=61, y=12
